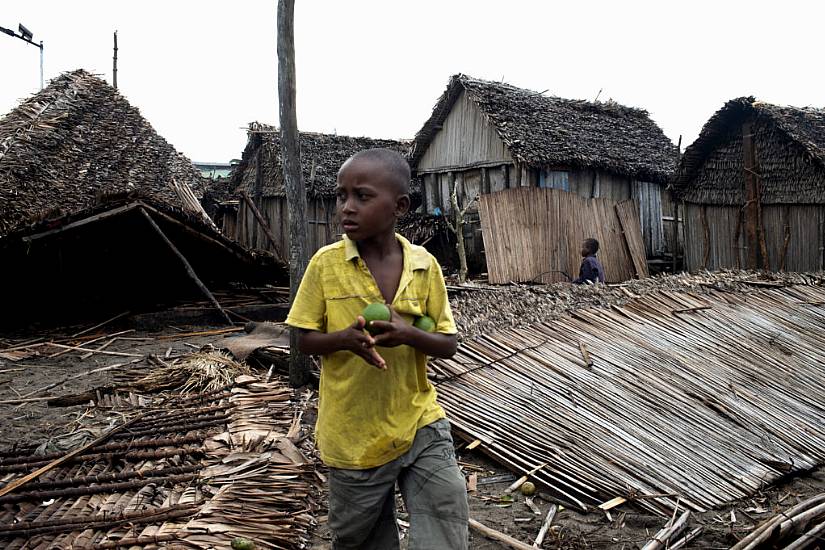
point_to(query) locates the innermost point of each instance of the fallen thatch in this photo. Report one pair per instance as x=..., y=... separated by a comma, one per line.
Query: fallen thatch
x=697, y=392
x=321, y=157
x=789, y=144
x=77, y=139
x=191, y=470
x=545, y=131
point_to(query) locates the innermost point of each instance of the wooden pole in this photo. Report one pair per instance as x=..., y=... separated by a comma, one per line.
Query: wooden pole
x=299, y=372
x=751, y=209
x=114, y=65
x=491, y=533
x=676, y=212
x=262, y=222
x=186, y=265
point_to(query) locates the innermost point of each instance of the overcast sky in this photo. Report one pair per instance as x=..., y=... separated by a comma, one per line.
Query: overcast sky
x=201, y=70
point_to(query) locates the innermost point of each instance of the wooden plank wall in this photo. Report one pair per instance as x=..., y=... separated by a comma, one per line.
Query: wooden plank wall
x=716, y=227
x=322, y=227
x=465, y=139
x=533, y=234
x=649, y=198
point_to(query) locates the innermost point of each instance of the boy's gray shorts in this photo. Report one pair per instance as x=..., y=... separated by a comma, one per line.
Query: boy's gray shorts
x=362, y=502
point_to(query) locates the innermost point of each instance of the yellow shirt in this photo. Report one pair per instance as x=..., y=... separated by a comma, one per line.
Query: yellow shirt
x=368, y=417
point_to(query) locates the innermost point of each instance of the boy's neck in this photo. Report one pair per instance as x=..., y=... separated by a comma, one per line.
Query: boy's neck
x=379, y=246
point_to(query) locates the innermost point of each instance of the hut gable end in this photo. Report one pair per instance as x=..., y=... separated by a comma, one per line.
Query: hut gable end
x=466, y=139
x=789, y=147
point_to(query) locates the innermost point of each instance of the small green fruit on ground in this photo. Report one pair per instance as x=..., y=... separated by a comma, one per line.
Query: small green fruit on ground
x=528, y=489
x=240, y=543
x=425, y=323
x=375, y=312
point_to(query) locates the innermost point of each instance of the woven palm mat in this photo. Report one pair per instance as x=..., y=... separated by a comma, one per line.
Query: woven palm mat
x=192, y=471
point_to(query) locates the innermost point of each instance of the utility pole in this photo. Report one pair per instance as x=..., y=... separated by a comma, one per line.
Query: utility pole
x=293, y=182
x=114, y=65
x=26, y=36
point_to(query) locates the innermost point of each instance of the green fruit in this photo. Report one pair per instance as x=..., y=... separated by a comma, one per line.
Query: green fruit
x=425, y=323
x=375, y=312
x=240, y=543
x=528, y=489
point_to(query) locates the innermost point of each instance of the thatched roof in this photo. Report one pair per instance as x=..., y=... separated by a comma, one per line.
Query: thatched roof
x=790, y=154
x=551, y=131
x=789, y=144
x=321, y=157
x=76, y=139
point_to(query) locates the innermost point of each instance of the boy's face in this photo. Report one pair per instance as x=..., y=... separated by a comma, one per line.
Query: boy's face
x=585, y=250
x=368, y=199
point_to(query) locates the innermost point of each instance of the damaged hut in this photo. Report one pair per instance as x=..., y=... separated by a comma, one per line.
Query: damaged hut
x=258, y=180
x=753, y=187
x=97, y=211
x=486, y=136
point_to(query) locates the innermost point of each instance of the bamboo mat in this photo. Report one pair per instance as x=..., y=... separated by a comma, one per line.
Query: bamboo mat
x=535, y=235
x=195, y=472
x=704, y=399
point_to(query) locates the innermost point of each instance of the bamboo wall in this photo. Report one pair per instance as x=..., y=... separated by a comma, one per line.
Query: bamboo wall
x=533, y=234
x=715, y=237
x=322, y=227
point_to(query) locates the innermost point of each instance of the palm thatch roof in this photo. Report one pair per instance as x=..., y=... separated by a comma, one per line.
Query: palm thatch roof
x=789, y=144
x=546, y=131
x=321, y=157
x=76, y=139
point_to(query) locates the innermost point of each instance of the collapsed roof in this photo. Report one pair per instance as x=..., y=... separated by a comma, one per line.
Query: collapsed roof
x=77, y=139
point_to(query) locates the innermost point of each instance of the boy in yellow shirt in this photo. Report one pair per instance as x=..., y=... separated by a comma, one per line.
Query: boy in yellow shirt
x=378, y=420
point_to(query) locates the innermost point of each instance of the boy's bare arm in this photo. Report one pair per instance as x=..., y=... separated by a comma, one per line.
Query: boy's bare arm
x=352, y=338
x=396, y=332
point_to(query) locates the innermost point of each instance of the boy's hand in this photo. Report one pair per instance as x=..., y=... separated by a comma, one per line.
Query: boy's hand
x=395, y=332
x=360, y=343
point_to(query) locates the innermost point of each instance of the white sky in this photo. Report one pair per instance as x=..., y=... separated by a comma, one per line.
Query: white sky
x=200, y=70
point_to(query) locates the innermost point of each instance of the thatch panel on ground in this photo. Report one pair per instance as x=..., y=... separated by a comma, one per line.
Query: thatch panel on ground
x=701, y=400
x=535, y=235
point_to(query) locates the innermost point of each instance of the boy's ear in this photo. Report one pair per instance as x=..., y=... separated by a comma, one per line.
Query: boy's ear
x=402, y=205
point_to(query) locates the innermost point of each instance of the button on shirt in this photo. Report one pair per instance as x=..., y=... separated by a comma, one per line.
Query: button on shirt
x=366, y=416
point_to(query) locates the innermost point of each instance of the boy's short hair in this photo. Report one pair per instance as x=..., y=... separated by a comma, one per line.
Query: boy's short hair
x=592, y=245
x=393, y=161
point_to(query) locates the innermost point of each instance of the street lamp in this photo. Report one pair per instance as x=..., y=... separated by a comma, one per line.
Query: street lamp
x=26, y=36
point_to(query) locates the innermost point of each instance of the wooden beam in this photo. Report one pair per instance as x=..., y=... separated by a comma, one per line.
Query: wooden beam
x=262, y=222
x=84, y=221
x=751, y=208
x=187, y=266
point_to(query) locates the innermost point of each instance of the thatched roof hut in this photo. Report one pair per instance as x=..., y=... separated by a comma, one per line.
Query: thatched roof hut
x=321, y=157
x=484, y=137
x=753, y=184
x=77, y=139
x=540, y=130
x=790, y=142
x=259, y=175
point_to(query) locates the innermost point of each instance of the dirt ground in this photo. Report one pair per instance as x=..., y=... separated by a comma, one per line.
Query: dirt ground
x=35, y=423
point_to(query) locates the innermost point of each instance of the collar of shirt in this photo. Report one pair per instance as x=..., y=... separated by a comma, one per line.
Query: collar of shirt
x=414, y=258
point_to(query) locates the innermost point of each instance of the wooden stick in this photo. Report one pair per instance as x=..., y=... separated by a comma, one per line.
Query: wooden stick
x=187, y=266
x=585, y=355
x=687, y=539
x=667, y=532
x=551, y=513
x=106, y=322
x=23, y=400
x=57, y=462
x=517, y=483
x=691, y=309
x=491, y=533
x=104, y=352
x=80, y=375
x=264, y=225
x=200, y=333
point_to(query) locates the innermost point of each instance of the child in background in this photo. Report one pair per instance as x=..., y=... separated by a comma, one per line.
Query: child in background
x=378, y=420
x=591, y=269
